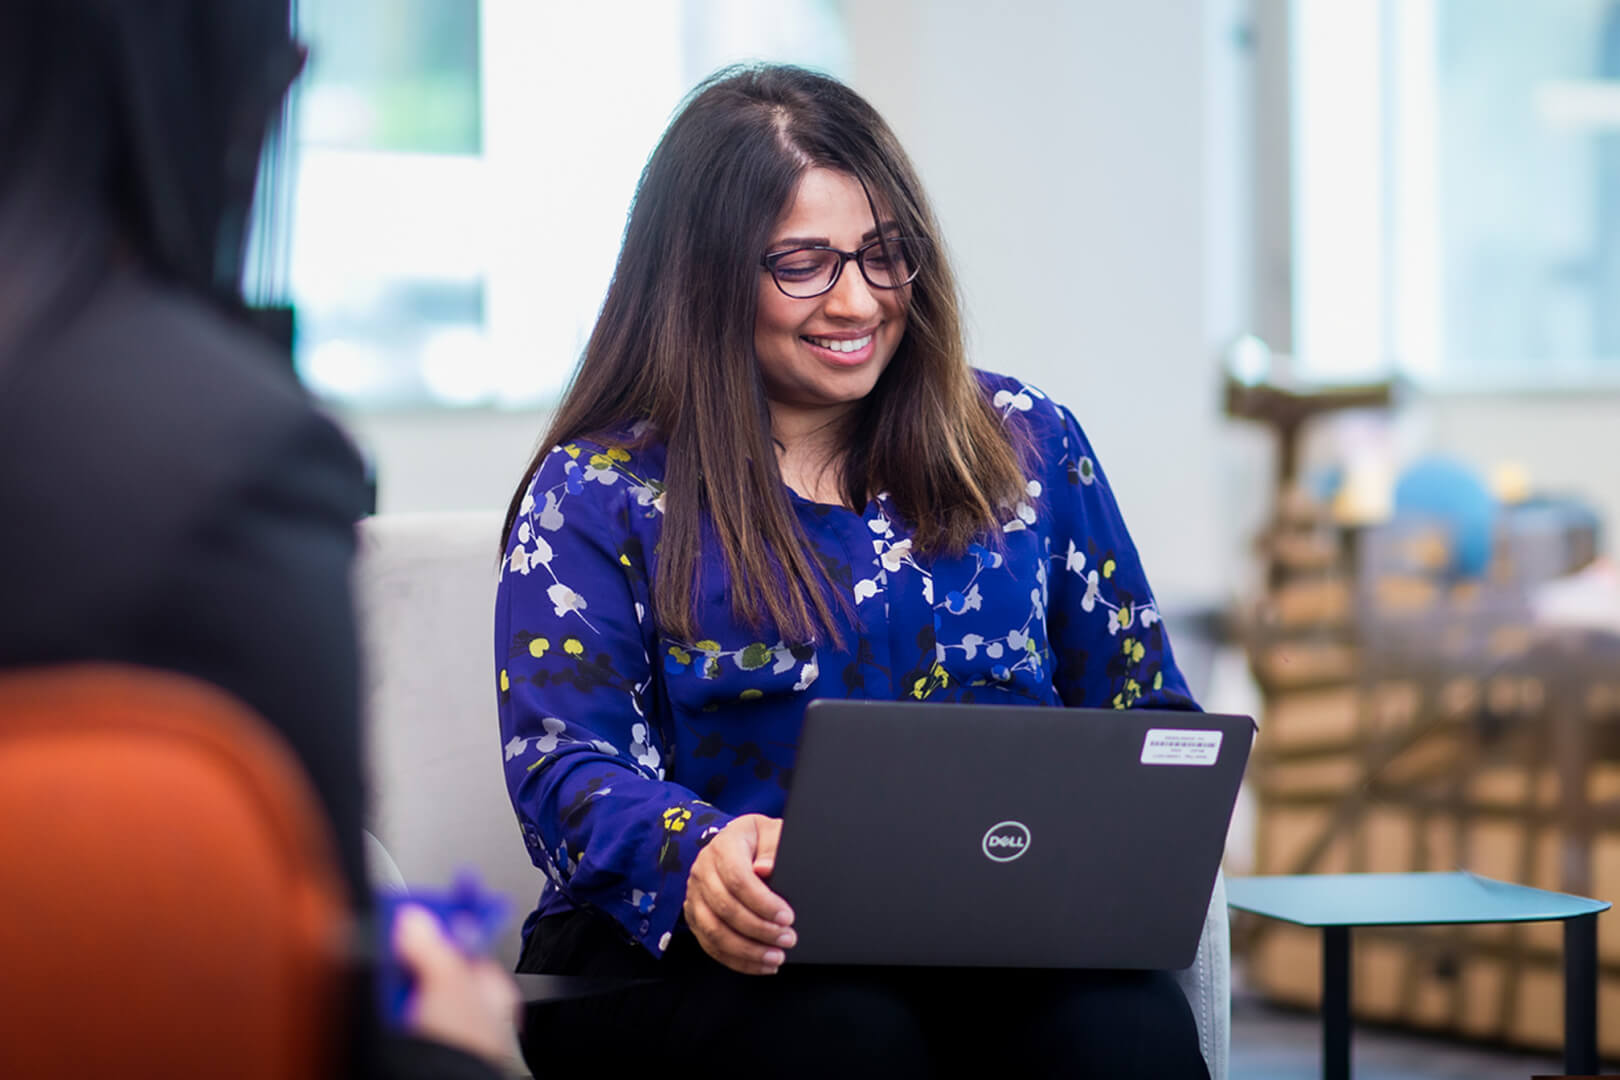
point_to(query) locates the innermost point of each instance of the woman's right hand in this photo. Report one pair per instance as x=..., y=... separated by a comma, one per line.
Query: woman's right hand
x=470, y=1003
x=735, y=917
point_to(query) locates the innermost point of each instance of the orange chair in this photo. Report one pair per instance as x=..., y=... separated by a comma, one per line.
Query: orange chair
x=169, y=899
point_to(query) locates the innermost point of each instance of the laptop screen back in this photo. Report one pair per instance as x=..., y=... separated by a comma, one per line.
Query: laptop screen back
x=1006, y=835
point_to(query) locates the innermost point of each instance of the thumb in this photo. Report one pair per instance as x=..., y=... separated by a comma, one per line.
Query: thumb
x=420, y=943
x=769, y=831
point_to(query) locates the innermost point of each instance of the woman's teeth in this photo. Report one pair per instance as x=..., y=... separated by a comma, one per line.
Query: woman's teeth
x=841, y=345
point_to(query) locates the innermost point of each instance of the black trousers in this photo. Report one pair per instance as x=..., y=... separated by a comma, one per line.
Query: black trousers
x=692, y=1017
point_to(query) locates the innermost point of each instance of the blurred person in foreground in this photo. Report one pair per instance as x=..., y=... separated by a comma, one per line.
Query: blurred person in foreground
x=171, y=498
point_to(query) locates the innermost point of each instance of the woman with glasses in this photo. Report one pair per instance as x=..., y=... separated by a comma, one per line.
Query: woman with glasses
x=776, y=478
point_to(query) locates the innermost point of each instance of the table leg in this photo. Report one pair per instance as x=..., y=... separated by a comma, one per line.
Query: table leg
x=1580, y=996
x=1336, y=1003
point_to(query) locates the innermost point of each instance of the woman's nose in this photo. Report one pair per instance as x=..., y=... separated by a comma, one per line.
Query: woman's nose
x=851, y=297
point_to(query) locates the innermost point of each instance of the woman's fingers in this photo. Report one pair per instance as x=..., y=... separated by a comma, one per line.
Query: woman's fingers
x=460, y=1001
x=726, y=945
x=729, y=899
x=737, y=919
x=752, y=896
x=739, y=852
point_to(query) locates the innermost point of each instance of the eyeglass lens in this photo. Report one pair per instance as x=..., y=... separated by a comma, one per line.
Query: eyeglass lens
x=810, y=271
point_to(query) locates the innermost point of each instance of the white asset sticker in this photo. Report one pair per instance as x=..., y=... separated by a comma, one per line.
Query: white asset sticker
x=1175, y=746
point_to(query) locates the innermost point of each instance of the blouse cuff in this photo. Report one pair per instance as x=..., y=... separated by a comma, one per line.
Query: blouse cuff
x=651, y=919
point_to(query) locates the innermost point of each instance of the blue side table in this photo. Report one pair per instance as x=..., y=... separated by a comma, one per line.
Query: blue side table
x=1337, y=902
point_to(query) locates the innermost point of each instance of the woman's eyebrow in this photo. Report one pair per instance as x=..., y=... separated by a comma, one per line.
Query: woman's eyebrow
x=822, y=241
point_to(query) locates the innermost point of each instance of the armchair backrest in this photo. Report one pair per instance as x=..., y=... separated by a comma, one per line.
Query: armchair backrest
x=425, y=588
x=170, y=903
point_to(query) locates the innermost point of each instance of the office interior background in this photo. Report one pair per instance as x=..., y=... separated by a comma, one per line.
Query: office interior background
x=1151, y=206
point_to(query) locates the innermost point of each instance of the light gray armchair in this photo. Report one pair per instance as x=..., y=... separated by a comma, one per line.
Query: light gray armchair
x=426, y=586
x=1208, y=985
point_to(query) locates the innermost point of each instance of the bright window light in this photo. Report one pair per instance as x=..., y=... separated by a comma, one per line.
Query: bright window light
x=460, y=172
x=1456, y=180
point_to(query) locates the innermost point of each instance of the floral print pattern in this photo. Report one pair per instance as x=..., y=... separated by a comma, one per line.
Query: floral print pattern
x=626, y=750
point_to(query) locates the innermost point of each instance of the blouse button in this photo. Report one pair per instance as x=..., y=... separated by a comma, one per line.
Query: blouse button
x=645, y=926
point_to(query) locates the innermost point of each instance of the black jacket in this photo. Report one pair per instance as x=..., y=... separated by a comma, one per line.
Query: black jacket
x=169, y=497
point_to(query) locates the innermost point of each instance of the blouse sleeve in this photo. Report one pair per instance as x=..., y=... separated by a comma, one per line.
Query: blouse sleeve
x=1107, y=636
x=584, y=759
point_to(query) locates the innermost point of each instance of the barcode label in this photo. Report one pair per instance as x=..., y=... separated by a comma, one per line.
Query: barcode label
x=1176, y=746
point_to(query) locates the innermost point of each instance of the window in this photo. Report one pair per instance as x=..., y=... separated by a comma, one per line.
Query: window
x=1456, y=180
x=460, y=172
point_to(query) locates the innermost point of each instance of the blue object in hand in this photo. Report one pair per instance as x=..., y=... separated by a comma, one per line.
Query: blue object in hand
x=470, y=916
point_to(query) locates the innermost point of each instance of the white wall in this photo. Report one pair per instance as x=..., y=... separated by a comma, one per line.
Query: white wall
x=1066, y=147
x=462, y=459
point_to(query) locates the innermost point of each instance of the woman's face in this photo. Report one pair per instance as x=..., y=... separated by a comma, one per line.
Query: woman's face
x=804, y=346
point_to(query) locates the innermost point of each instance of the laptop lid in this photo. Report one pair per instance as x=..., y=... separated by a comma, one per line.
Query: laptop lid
x=1016, y=836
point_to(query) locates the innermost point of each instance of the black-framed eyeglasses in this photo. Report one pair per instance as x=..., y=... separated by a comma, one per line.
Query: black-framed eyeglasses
x=889, y=262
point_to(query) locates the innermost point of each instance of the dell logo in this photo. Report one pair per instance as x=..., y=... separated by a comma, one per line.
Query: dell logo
x=1006, y=841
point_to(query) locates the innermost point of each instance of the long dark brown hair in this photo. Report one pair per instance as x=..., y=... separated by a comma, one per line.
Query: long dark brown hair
x=674, y=345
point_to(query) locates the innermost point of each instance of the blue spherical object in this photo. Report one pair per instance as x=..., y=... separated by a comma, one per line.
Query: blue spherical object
x=1450, y=492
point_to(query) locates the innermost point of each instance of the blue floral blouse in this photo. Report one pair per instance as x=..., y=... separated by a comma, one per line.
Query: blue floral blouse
x=626, y=750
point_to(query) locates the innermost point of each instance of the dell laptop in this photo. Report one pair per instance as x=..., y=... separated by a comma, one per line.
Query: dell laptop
x=1006, y=836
